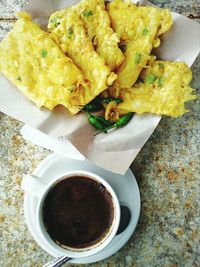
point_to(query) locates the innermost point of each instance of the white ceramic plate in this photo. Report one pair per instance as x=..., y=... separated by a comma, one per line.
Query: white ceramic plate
x=125, y=187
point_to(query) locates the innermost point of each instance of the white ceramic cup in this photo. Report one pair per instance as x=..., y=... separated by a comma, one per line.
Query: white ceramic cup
x=35, y=186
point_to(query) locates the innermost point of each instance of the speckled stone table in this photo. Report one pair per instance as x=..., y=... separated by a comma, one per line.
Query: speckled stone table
x=167, y=170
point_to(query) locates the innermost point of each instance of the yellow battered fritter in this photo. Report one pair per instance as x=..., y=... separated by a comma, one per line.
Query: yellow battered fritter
x=32, y=61
x=67, y=29
x=139, y=29
x=162, y=89
x=62, y=66
x=97, y=23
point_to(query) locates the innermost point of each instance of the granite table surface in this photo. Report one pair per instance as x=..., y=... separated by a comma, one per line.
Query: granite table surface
x=167, y=171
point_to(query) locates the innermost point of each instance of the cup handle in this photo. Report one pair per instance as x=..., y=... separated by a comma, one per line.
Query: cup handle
x=33, y=185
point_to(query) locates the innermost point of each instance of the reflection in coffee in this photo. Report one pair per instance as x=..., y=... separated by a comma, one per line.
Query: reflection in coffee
x=78, y=212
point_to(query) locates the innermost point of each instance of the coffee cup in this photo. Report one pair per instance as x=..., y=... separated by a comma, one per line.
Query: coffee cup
x=106, y=218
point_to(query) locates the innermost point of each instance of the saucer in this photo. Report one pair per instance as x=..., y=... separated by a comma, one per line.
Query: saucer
x=125, y=186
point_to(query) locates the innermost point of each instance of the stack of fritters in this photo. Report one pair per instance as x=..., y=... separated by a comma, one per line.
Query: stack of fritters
x=93, y=50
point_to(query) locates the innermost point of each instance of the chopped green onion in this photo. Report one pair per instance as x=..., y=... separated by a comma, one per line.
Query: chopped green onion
x=87, y=13
x=71, y=88
x=19, y=78
x=161, y=65
x=150, y=78
x=44, y=53
x=137, y=58
x=55, y=21
x=69, y=32
x=161, y=81
x=145, y=31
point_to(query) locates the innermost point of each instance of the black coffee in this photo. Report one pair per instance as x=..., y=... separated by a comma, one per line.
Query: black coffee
x=78, y=212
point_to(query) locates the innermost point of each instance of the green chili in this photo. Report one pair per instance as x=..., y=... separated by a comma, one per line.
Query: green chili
x=124, y=120
x=106, y=123
x=43, y=53
x=93, y=106
x=150, y=78
x=87, y=13
x=107, y=100
x=95, y=122
x=96, y=104
x=137, y=58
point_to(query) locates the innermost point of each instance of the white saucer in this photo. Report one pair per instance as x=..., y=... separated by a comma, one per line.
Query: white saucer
x=125, y=187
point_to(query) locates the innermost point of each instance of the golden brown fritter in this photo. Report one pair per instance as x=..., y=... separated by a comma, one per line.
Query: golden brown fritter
x=97, y=23
x=139, y=28
x=32, y=61
x=163, y=89
x=67, y=29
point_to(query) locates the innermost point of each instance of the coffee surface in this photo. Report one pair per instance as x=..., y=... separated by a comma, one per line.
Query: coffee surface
x=78, y=212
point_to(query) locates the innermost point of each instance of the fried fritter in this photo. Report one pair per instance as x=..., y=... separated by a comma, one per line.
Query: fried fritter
x=67, y=29
x=162, y=89
x=97, y=23
x=32, y=61
x=139, y=28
